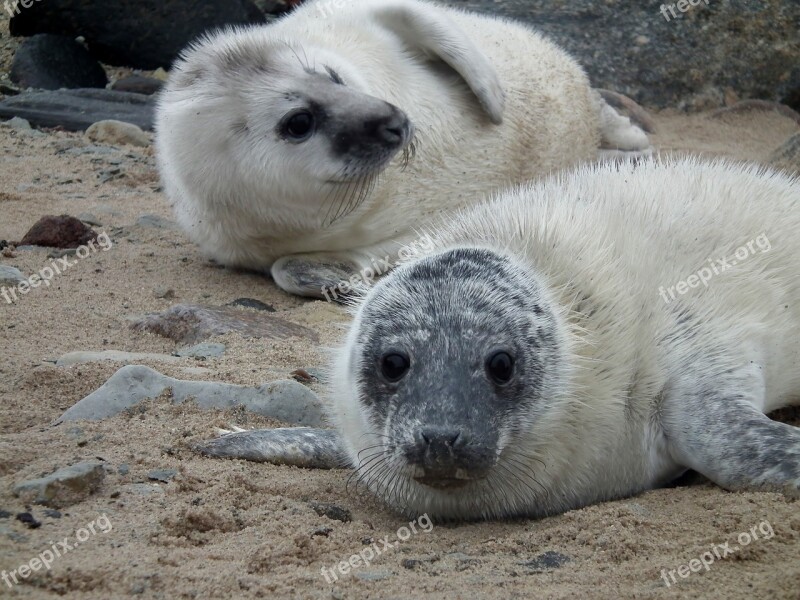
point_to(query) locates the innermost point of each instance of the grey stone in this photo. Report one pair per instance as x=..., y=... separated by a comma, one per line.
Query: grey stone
x=64, y=487
x=90, y=219
x=203, y=350
x=11, y=275
x=376, y=575
x=286, y=401
x=163, y=292
x=546, y=561
x=18, y=124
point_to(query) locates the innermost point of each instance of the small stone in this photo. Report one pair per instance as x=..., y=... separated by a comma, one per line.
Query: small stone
x=11, y=276
x=332, y=511
x=123, y=469
x=4, y=514
x=52, y=513
x=29, y=520
x=302, y=376
x=163, y=292
x=58, y=232
x=164, y=475
x=641, y=40
x=323, y=531
x=111, y=131
x=160, y=74
x=64, y=487
x=203, y=350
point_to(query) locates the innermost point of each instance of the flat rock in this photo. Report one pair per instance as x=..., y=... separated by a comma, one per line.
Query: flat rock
x=546, y=561
x=138, y=84
x=11, y=275
x=145, y=34
x=64, y=487
x=286, y=401
x=80, y=357
x=787, y=157
x=51, y=62
x=189, y=324
x=156, y=222
x=61, y=231
x=111, y=131
x=76, y=110
x=163, y=475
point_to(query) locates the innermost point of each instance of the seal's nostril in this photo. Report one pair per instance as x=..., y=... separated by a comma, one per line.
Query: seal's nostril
x=435, y=436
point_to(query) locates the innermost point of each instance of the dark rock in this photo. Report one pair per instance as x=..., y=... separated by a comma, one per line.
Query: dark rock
x=748, y=46
x=51, y=62
x=76, y=110
x=4, y=514
x=286, y=401
x=546, y=560
x=251, y=303
x=53, y=513
x=58, y=232
x=323, y=531
x=137, y=33
x=336, y=513
x=138, y=84
x=29, y=520
x=189, y=324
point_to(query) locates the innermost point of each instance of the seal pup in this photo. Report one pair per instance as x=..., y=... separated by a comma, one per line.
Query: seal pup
x=577, y=340
x=288, y=146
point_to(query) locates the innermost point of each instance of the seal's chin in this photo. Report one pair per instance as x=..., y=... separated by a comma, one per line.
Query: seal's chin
x=447, y=479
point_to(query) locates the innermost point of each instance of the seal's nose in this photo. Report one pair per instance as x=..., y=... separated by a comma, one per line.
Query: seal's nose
x=392, y=130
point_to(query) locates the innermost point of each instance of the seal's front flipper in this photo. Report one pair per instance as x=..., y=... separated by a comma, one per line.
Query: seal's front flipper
x=314, y=275
x=432, y=31
x=297, y=446
x=727, y=439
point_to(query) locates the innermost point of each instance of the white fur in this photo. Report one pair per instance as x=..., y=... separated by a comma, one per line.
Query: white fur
x=248, y=200
x=604, y=240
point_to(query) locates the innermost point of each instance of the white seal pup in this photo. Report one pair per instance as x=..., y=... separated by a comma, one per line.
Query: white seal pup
x=578, y=340
x=287, y=146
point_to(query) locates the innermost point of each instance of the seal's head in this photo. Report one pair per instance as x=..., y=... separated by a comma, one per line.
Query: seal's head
x=449, y=384
x=248, y=107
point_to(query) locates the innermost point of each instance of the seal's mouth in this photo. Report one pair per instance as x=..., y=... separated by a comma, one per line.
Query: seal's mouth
x=442, y=483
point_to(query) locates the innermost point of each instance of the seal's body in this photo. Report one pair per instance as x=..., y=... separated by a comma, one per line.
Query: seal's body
x=289, y=145
x=581, y=339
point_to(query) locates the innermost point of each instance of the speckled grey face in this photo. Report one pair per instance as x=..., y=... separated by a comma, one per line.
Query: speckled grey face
x=455, y=354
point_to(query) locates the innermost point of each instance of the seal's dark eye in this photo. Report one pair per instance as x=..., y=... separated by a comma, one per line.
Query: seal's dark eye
x=394, y=365
x=500, y=367
x=299, y=126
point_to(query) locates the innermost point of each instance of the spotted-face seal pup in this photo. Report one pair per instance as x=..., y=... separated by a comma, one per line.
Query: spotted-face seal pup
x=574, y=341
x=289, y=146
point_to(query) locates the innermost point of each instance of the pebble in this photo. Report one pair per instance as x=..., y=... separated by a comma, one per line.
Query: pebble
x=29, y=520
x=378, y=575
x=163, y=292
x=11, y=276
x=332, y=511
x=19, y=124
x=156, y=222
x=111, y=131
x=64, y=487
x=286, y=401
x=90, y=219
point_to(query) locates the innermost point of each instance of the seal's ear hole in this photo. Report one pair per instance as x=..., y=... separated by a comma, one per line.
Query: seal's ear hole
x=297, y=126
x=394, y=365
x=500, y=367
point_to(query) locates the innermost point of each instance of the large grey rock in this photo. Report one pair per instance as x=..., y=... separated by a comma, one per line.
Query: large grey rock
x=11, y=276
x=286, y=401
x=137, y=33
x=64, y=487
x=51, y=62
x=749, y=46
x=76, y=110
